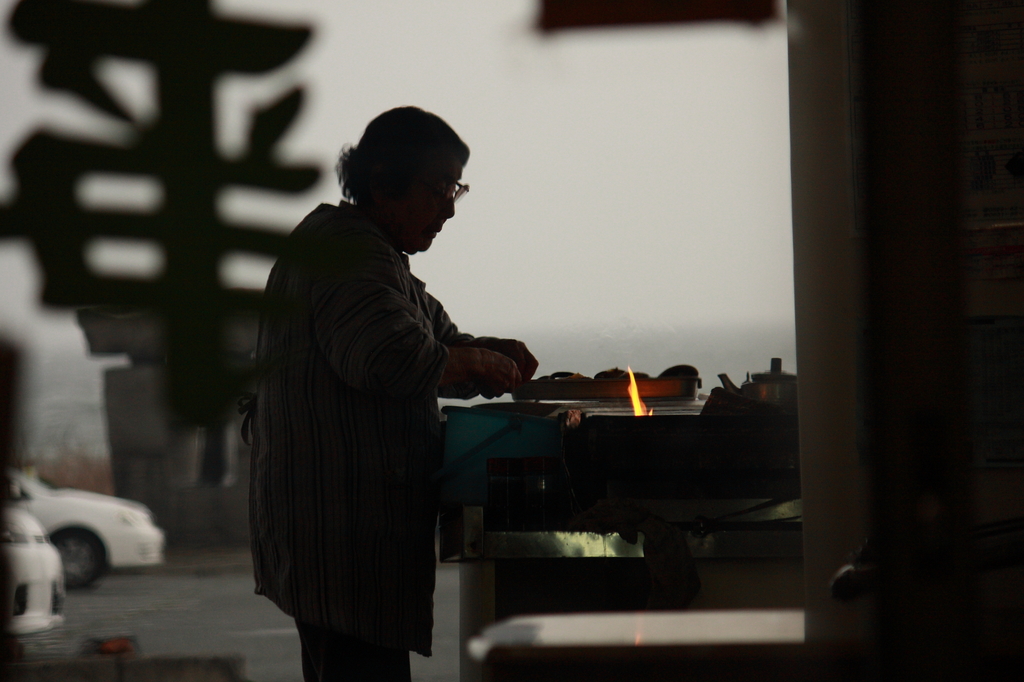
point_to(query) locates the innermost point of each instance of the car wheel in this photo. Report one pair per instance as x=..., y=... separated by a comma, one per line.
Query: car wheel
x=82, y=554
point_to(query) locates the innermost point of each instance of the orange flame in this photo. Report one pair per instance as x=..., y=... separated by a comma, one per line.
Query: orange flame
x=639, y=409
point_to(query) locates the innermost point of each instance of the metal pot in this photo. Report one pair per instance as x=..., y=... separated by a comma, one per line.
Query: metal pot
x=773, y=386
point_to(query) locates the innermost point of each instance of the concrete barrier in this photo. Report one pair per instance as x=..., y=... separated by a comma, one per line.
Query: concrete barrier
x=130, y=669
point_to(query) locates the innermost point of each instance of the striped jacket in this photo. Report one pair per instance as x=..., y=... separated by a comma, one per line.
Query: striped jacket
x=346, y=433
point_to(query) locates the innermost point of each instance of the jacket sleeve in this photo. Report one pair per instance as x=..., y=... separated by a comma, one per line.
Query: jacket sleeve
x=373, y=335
x=446, y=331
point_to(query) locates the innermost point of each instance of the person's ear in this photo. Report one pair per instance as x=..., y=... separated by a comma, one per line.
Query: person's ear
x=382, y=195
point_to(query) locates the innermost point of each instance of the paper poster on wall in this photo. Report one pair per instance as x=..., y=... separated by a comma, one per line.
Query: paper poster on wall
x=990, y=57
x=990, y=52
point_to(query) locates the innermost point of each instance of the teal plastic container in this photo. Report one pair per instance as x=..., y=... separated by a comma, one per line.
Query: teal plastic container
x=474, y=435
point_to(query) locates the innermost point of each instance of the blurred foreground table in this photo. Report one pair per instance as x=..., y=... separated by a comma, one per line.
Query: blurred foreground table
x=761, y=644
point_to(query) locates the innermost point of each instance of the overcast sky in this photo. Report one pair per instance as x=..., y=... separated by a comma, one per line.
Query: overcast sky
x=634, y=178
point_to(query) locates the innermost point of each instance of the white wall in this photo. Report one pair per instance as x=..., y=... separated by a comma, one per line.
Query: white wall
x=624, y=182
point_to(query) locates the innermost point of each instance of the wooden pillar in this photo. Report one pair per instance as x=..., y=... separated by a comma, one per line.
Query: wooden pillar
x=916, y=350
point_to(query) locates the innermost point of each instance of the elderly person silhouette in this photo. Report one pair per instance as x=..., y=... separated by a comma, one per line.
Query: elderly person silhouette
x=347, y=430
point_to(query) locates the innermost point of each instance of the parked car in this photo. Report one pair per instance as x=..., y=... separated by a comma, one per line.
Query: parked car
x=91, y=531
x=35, y=590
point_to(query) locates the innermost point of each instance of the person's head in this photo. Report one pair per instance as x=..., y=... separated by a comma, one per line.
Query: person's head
x=402, y=172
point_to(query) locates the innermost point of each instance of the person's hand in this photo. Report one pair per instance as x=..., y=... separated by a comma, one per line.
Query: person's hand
x=497, y=373
x=494, y=373
x=512, y=348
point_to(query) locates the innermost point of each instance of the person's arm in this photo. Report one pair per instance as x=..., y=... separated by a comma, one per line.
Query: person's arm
x=469, y=373
x=511, y=348
x=493, y=373
x=373, y=336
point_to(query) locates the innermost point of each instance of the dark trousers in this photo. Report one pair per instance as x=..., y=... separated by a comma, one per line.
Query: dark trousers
x=329, y=656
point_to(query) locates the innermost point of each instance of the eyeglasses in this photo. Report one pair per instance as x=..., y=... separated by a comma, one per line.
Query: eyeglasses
x=456, y=191
x=452, y=192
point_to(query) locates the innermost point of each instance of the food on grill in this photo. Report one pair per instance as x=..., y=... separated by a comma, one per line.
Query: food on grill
x=562, y=375
x=680, y=371
x=616, y=373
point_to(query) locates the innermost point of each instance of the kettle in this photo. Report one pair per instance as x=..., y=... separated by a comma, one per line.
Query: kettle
x=773, y=386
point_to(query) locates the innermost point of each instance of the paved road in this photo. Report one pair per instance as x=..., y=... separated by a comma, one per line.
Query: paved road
x=199, y=609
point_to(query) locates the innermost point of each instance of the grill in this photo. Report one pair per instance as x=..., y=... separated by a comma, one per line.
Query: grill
x=717, y=476
x=725, y=485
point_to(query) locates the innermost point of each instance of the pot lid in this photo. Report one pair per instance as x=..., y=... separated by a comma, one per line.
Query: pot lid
x=775, y=374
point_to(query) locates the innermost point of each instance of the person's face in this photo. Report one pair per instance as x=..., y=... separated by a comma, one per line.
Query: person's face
x=415, y=219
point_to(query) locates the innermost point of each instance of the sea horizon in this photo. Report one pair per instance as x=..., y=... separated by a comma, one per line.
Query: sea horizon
x=60, y=401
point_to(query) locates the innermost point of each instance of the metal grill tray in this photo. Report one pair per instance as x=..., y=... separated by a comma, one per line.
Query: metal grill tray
x=603, y=389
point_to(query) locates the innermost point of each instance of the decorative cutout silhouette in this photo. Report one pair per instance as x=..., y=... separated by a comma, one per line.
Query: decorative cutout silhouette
x=190, y=48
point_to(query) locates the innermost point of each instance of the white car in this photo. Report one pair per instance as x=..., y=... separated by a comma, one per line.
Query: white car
x=35, y=591
x=93, y=532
